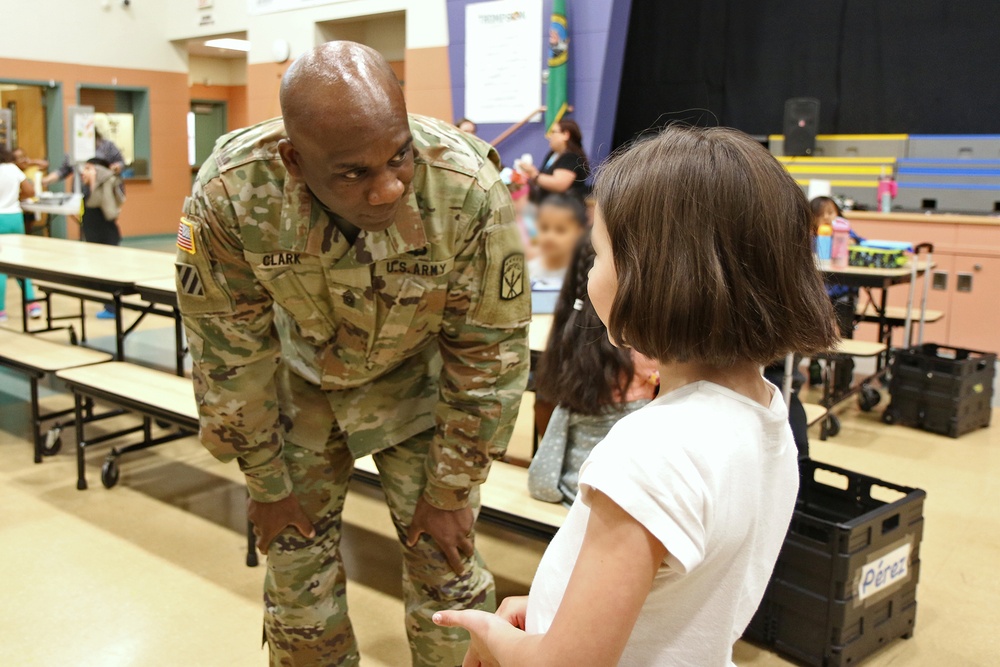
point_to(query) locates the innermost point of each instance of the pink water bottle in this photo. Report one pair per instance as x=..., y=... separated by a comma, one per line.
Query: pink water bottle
x=840, y=246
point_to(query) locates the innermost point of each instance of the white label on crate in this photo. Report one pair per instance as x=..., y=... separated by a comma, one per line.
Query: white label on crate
x=885, y=571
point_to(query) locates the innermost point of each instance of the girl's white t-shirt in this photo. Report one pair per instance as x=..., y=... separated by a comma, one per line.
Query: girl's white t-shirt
x=10, y=187
x=713, y=476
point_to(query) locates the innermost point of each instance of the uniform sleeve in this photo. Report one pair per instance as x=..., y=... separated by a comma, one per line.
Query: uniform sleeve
x=234, y=346
x=660, y=487
x=484, y=349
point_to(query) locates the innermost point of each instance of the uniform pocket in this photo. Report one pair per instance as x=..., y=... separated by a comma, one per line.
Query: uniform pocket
x=407, y=325
x=300, y=288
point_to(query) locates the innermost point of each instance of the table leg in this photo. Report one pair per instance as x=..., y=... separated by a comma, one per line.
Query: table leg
x=36, y=421
x=179, y=341
x=119, y=328
x=81, y=474
x=884, y=330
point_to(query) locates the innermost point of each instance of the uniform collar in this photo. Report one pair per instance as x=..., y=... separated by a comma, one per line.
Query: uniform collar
x=406, y=233
x=306, y=226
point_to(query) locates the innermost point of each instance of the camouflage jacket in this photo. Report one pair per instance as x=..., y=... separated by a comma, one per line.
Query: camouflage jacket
x=293, y=330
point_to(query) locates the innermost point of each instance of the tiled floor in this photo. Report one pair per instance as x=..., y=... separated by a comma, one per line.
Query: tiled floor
x=151, y=572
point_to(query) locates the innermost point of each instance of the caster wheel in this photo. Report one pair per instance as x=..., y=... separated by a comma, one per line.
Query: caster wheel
x=162, y=424
x=73, y=340
x=889, y=416
x=53, y=442
x=832, y=425
x=868, y=398
x=109, y=473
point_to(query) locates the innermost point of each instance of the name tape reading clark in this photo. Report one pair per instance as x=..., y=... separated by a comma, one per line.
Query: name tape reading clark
x=885, y=571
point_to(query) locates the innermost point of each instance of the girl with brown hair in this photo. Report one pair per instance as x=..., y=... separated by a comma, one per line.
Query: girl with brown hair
x=704, y=263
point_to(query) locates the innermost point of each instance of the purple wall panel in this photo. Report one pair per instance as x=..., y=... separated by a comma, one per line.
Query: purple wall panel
x=597, y=48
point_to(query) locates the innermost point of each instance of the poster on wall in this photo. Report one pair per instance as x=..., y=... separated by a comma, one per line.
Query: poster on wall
x=82, y=142
x=257, y=7
x=503, y=60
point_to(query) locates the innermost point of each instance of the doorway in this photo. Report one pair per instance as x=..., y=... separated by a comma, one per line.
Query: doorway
x=206, y=123
x=29, y=121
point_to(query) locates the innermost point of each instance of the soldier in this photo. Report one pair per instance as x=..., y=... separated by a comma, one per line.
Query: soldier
x=352, y=282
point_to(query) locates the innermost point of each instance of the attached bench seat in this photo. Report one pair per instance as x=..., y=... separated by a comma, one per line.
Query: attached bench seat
x=151, y=393
x=504, y=499
x=895, y=316
x=35, y=358
x=857, y=348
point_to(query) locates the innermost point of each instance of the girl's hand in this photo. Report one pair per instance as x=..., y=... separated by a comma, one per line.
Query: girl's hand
x=486, y=629
x=513, y=610
x=529, y=170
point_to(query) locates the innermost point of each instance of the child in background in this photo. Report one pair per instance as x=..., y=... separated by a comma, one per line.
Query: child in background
x=703, y=251
x=844, y=299
x=592, y=383
x=560, y=221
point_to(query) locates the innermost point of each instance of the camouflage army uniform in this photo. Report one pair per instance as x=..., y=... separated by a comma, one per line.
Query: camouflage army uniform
x=309, y=351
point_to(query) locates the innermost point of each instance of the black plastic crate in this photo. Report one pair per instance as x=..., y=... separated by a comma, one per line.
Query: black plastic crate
x=836, y=529
x=952, y=371
x=937, y=413
x=834, y=596
x=940, y=389
x=827, y=633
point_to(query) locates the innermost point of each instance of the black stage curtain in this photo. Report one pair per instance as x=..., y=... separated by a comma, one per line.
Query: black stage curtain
x=876, y=66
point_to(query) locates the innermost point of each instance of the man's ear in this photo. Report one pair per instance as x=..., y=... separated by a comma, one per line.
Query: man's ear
x=290, y=158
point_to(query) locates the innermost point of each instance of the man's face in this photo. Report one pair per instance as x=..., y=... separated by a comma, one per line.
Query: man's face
x=361, y=173
x=20, y=159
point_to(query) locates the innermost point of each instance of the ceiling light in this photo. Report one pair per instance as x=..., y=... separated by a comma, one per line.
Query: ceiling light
x=230, y=43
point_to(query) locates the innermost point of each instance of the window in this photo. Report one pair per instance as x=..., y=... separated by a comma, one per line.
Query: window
x=122, y=116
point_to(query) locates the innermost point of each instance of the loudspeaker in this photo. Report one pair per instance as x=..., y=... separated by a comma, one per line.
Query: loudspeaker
x=801, y=125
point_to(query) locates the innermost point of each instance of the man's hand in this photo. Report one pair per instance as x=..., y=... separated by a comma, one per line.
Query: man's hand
x=269, y=519
x=514, y=610
x=451, y=529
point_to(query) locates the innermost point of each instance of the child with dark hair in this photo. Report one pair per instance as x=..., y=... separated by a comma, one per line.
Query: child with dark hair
x=559, y=223
x=844, y=299
x=591, y=382
x=703, y=263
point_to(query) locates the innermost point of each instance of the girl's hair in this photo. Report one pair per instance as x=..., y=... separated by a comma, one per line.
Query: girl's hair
x=571, y=204
x=710, y=238
x=817, y=204
x=580, y=369
x=574, y=144
x=100, y=161
x=6, y=155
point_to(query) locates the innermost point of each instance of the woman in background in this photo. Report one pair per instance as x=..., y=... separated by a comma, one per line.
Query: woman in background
x=14, y=186
x=103, y=197
x=592, y=383
x=565, y=168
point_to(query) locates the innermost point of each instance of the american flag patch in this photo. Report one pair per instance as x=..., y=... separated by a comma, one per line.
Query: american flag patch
x=185, y=236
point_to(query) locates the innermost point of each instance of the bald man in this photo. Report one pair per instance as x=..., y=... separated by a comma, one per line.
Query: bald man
x=352, y=282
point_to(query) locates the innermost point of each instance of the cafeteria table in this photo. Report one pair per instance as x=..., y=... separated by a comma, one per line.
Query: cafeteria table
x=111, y=270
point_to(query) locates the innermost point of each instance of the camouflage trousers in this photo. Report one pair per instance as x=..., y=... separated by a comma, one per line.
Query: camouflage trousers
x=305, y=595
